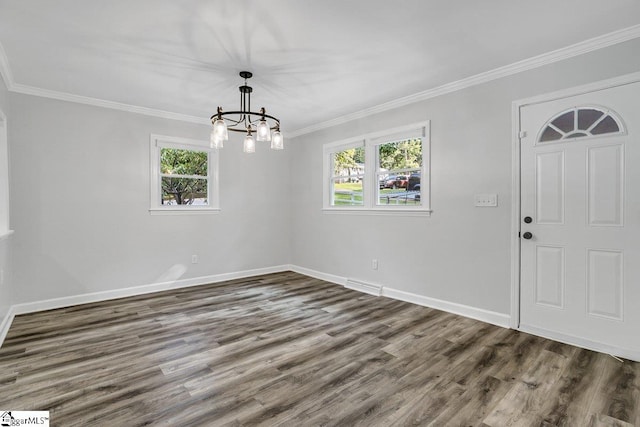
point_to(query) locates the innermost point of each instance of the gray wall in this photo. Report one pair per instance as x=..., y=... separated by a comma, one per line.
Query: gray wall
x=461, y=253
x=80, y=185
x=6, y=294
x=80, y=200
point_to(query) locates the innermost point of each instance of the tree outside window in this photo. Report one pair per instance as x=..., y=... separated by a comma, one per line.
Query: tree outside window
x=184, y=177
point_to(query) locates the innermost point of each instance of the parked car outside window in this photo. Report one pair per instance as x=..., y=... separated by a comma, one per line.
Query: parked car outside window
x=414, y=182
x=396, y=181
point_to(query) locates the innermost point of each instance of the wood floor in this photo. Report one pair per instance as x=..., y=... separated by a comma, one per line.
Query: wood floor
x=286, y=349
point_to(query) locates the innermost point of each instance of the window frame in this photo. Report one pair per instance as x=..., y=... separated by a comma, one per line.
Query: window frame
x=5, y=220
x=371, y=141
x=157, y=143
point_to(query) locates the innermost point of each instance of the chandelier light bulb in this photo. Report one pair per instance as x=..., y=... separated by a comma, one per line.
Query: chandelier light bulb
x=212, y=139
x=215, y=141
x=277, y=141
x=249, y=144
x=263, y=132
x=220, y=129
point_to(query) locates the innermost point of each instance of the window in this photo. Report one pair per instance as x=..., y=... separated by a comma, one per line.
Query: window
x=382, y=172
x=183, y=176
x=399, y=172
x=580, y=122
x=4, y=178
x=348, y=176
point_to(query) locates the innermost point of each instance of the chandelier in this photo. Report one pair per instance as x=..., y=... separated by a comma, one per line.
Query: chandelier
x=265, y=127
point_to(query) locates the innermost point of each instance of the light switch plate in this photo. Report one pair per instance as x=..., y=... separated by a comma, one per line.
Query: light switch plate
x=486, y=200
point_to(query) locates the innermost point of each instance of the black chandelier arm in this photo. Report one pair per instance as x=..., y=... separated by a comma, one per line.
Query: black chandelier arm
x=245, y=116
x=246, y=113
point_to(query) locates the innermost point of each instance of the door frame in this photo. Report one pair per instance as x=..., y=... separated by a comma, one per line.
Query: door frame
x=516, y=108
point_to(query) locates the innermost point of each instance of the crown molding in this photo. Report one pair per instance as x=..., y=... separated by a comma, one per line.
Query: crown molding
x=580, y=48
x=12, y=86
x=5, y=70
x=96, y=102
x=561, y=54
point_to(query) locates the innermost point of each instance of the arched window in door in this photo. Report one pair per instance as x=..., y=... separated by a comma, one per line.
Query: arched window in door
x=580, y=122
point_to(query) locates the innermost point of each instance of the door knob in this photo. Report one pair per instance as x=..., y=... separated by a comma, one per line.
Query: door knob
x=528, y=219
x=527, y=235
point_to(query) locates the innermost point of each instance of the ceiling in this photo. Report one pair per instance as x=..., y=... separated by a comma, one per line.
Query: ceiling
x=313, y=61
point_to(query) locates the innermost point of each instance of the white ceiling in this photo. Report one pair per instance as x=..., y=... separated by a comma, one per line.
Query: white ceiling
x=312, y=61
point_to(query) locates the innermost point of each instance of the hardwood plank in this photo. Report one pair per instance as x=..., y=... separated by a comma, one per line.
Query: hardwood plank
x=573, y=391
x=286, y=349
x=618, y=394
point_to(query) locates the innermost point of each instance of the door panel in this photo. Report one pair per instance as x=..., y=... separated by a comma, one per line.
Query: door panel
x=605, y=283
x=550, y=187
x=580, y=271
x=605, y=170
x=550, y=276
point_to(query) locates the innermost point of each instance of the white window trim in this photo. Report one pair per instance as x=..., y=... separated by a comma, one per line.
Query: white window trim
x=156, y=143
x=370, y=142
x=5, y=223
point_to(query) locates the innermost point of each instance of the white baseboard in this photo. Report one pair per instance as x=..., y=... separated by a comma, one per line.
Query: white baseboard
x=582, y=343
x=367, y=288
x=6, y=324
x=499, y=319
x=338, y=280
x=50, y=304
x=377, y=290
x=495, y=318
x=487, y=316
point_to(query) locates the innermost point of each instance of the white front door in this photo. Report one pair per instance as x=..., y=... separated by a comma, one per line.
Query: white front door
x=580, y=202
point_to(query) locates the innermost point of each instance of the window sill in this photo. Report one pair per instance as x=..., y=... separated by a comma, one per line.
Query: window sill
x=5, y=234
x=374, y=211
x=184, y=211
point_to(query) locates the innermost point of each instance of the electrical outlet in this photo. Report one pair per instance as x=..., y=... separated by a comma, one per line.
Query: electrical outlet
x=486, y=200
x=374, y=264
x=194, y=259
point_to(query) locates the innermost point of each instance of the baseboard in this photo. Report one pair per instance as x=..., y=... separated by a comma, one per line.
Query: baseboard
x=367, y=288
x=487, y=316
x=499, y=319
x=463, y=310
x=582, y=343
x=54, y=303
x=338, y=280
x=6, y=324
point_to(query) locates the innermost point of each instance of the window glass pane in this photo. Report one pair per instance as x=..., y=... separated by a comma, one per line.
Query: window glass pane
x=175, y=161
x=184, y=191
x=608, y=125
x=587, y=117
x=576, y=135
x=348, y=162
x=347, y=191
x=550, y=134
x=396, y=155
x=565, y=122
x=400, y=189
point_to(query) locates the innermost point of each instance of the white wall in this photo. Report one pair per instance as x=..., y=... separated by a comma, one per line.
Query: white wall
x=6, y=295
x=80, y=185
x=461, y=253
x=80, y=200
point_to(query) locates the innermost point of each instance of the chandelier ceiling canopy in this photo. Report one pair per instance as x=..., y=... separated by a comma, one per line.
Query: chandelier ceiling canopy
x=264, y=126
